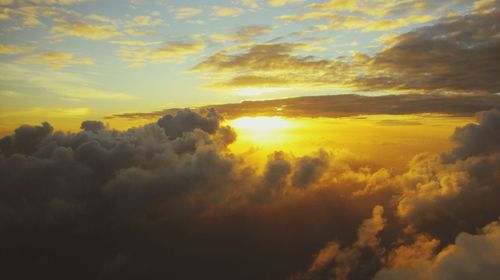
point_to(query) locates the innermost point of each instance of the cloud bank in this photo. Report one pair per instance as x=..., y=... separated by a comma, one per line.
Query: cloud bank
x=348, y=105
x=170, y=200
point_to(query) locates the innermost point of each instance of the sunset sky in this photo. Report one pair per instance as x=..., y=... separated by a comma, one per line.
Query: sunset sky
x=249, y=139
x=75, y=59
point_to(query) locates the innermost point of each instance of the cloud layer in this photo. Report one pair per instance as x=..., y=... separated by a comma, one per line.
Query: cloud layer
x=348, y=105
x=458, y=54
x=170, y=200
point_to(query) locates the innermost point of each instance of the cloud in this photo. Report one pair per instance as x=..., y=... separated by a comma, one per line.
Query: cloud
x=25, y=138
x=44, y=2
x=14, y=49
x=58, y=59
x=279, y=3
x=244, y=34
x=460, y=182
x=440, y=57
x=187, y=12
x=435, y=58
x=94, y=126
x=268, y=62
x=142, y=21
x=346, y=259
x=351, y=105
x=29, y=16
x=478, y=139
x=160, y=199
x=253, y=4
x=385, y=9
x=168, y=52
x=187, y=120
x=338, y=22
x=49, y=112
x=55, y=81
x=160, y=180
x=227, y=11
x=86, y=30
x=472, y=256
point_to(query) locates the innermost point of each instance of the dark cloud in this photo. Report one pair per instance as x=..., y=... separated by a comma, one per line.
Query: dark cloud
x=169, y=200
x=159, y=201
x=457, y=54
x=188, y=120
x=471, y=257
x=93, y=126
x=460, y=54
x=350, y=105
x=25, y=139
x=455, y=191
x=478, y=139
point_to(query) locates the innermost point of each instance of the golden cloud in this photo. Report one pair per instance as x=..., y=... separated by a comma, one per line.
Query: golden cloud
x=14, y=49
x=138, y=55
x=278, y=3
x=227, y=11
x=58, y=59
x=244, y=34
x=187, y=12
x=419, y=60
x=86, y=30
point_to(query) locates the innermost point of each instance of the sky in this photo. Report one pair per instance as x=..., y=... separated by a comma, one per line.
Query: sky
x=249, y=139
x=73, y=60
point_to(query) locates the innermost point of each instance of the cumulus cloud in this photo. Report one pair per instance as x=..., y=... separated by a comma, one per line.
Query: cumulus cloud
x=93, y=126
x=346, y=259
x=170, y=196
x=454, y=191
x=165, y=187
x=471, y=257
x=187, y=120
x=478, y=139
x=25, y=139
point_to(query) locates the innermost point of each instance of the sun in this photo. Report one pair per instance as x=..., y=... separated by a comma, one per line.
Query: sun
x=264, y=133
x=261, y=124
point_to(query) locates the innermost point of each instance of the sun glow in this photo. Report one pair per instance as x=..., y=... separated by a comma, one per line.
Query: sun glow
x=262, y=124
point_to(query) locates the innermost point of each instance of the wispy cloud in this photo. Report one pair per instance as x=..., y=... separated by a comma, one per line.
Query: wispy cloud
x=54, y=81
x=168, y=52
x=58, y=59
x=243, y=34
x=86, y=30
x=278, y=3
x=186, y=12
x=15, y=49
